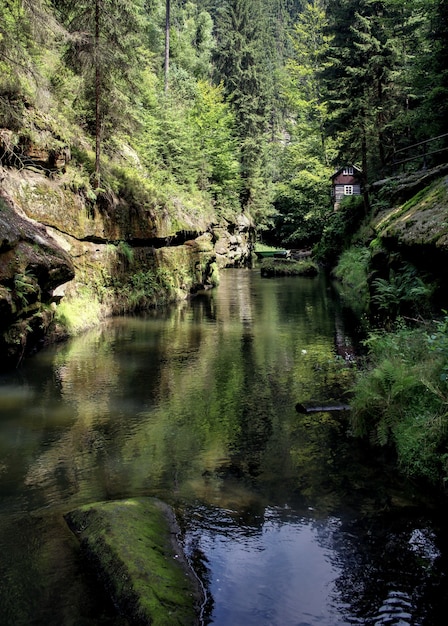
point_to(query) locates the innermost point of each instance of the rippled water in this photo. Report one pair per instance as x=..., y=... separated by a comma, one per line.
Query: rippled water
x=287, y=520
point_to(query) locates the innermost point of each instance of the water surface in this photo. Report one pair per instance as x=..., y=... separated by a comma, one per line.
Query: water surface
x=287, y=520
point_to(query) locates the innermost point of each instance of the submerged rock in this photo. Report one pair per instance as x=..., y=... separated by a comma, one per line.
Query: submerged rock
x=132, y=544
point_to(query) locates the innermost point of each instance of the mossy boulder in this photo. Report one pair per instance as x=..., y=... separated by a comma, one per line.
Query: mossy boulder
x=132, y=544
x=421, y=221
x=288, y=267
x=415, y=233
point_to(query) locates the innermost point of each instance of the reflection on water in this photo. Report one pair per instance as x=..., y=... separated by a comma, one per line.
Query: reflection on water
x=284, y=517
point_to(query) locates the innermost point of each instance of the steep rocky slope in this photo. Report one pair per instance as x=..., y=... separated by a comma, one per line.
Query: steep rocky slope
x=412, y=225
x=58, y=243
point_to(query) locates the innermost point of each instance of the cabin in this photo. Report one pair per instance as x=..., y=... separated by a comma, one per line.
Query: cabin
x=346, y=181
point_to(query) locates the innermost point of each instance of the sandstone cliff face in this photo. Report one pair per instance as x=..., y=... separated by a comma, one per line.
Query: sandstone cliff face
x=54, y=242
x=32, y=265
x=414, y=229
x=417, y=224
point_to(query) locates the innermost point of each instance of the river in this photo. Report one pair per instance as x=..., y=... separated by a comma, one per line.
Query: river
x=286, y=518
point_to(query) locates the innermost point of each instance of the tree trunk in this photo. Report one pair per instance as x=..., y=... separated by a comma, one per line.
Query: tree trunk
x=97, y=96
x=167, y=42
x=364, y=179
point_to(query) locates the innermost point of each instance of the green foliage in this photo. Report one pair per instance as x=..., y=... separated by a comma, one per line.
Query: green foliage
x=192, y=41
x=213, y=125
x=302, y=195
x=78, y=314
x=352, y=272
x=339, y=229
x=26, y=288
x=404, y=292
x=380, y=398
x=242, y=62
x=147, y=288
x=303, y=88
x=126, y=252
x=438, y=344
x=400, y=400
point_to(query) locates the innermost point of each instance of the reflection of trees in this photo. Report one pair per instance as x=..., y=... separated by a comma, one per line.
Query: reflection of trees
x=385, y=565
x=199, y=400
x=225, y=419
x=86, y=375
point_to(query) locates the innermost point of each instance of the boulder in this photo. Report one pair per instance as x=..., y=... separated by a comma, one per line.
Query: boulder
x=133, y=547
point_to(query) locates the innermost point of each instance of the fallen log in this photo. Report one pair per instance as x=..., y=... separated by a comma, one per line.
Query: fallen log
x=308, y=407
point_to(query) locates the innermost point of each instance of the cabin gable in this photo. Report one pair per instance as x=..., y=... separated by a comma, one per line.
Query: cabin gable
x=346, y=181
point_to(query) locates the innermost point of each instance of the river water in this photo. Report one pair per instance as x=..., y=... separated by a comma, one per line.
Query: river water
x=287, y=520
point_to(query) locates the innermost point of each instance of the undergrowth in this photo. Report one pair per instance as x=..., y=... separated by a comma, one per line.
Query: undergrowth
x=400, y=400
x=351, y=272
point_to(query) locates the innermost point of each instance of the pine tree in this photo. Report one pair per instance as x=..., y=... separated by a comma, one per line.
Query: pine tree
x=302, y=198
x=432, y=74
x=105, y=37
x=241, y=64
x=304, y=93
x=167, y=42
x=360, y=80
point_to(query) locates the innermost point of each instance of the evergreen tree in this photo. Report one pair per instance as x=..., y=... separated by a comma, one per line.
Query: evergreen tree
x=242, y=64
x=15, y=46
x=302, y=198
x=105, y=39
x=167, y=42
x=304, y=91
x=26, y=26
x=360, y=81
x=432, y=74
x=213, y=127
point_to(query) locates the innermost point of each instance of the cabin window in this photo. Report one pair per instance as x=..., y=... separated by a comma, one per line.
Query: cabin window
x=348, y=190
x=348, y=171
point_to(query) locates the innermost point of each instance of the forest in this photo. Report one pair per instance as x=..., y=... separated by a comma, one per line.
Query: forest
x=248, y=104
x=248, y=107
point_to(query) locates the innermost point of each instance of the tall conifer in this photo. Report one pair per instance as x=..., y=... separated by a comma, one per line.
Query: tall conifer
x=242, y=65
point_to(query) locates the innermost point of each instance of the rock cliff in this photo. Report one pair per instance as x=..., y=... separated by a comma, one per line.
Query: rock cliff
x=56, y=244
x=412, y=226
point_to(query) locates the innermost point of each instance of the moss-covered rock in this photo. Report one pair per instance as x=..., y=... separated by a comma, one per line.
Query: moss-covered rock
x=32, y=266
x=288, y=267
x=133, y=546
x=420, y=221
x=414, y=233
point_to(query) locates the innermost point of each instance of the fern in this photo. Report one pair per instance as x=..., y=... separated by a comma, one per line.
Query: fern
x=403, y=288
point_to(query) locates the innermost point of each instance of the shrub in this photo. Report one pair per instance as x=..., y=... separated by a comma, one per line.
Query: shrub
x=403, y=293
x=80, y=313
x=401, y=399
x=340, y=227
x=352, y=271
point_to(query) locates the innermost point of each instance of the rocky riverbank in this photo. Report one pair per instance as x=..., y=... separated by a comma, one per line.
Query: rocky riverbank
x=107, y=255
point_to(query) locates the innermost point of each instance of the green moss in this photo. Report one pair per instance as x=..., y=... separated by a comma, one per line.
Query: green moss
x=287, y=267
x=132, y=544
x=421, y=219
x=79, y=313
x=262, y=247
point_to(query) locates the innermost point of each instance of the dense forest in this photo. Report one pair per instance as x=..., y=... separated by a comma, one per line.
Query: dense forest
x=243, y=107
x=247, y=103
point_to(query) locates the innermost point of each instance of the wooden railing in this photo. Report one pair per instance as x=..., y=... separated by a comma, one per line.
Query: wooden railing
x=421, y=152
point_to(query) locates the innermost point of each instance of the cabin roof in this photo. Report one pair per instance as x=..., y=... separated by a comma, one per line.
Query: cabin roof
x=356, y=170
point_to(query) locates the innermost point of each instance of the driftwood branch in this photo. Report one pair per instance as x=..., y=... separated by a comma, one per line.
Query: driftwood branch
x=309, y=407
